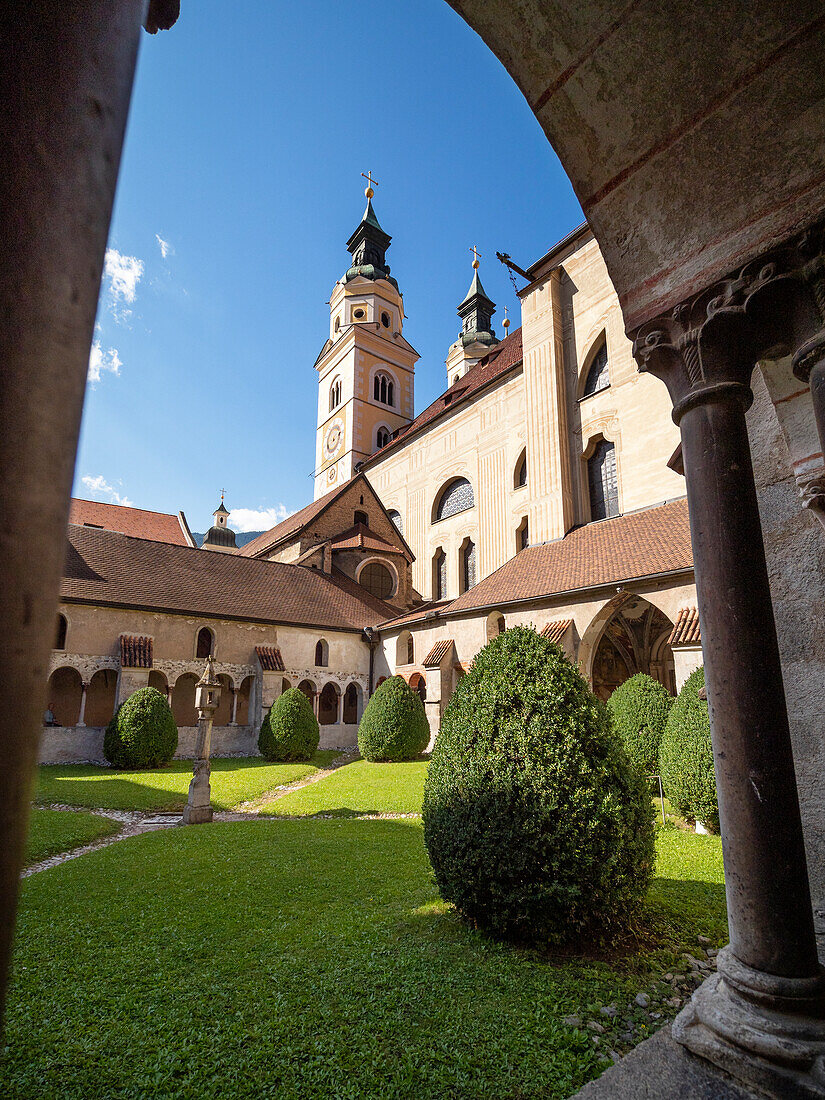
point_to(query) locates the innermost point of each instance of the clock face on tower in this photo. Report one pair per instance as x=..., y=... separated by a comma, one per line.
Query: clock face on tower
x=334, y=438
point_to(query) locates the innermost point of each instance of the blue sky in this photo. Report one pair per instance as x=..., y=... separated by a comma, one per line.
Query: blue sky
x=239, y=186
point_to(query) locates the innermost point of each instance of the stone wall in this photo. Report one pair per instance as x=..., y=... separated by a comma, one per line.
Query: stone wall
x=73, y=744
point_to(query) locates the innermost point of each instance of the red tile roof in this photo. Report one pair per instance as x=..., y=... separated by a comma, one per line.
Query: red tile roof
x=106, y=568
x=556, y=630
x=687, y=630
x=158, y=526
x=438, y=653
x=360, y=537
x=292, y=524
x=270, y=658
x=639, y=544
x=502, y=358
x=418, y=615
x=135, y=651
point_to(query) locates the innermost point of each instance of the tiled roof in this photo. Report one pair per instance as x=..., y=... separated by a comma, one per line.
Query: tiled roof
x=438, y=653
x=135, y=651
x=497, y=362
x=291, y=524
x=360, y=537
x=556, y=630
x=270, y=658
x=103, y=567
x=158, y=526
x=418, y=615
x=686, y=631
x=639, y=544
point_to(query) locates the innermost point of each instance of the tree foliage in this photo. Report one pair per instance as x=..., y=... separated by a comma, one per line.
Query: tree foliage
x=639, y=709
x=290, y=731
x=142, y=733
x=393, y=726
x=686, y=756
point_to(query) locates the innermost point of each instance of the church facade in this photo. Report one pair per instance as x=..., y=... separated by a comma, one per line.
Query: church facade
x=542, y=486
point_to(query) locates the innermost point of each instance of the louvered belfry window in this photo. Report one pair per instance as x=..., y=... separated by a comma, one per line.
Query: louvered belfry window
x=457, y=497
x=468, y=565
x=604, y=484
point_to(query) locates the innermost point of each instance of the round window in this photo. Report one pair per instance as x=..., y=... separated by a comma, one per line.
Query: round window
x=385, y=320
x=358, y=314
x=377, y=580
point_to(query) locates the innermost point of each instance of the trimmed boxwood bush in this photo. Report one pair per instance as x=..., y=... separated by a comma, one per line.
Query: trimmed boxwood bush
x=537, y=827
x=639, y=708
x=290, y=731
x=142, y=734
x=686, y=756
x=393, y=726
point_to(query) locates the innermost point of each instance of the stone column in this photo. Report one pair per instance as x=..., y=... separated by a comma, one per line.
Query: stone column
x=340, y=715
x=233, y=721
x=761, y=1016
x=81, y=718
x=198, y=809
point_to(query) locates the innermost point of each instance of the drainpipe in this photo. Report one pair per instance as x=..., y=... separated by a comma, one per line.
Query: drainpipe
x=371, y=638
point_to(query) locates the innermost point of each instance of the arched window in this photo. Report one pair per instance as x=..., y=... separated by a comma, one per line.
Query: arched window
x=495, y=625
x=385, y=319
x=361, y=517
x=60, y=633
x=335, y=394
x=382, y=437
x=457, y=497
x=205, y=642
x=377, y=579
x=521, y=471
x=321, y=653
x=439, y=575
x=603, y=480
x=383, y=389
x=397, y=520
x=405, y=649
x=598, y=376
x=456, y=378
x=337, y=326
x=468, y=565
x=522, y=535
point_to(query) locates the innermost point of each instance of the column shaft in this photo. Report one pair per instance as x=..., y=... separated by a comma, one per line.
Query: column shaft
x=769, y=907
x=81, y=718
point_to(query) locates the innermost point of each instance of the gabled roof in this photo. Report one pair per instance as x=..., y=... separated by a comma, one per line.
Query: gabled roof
x=438, y=653
x=292, y=524
x=639, y=544
x=158, y=526
x=360, y=537
x=501, y=359
x=107, y=568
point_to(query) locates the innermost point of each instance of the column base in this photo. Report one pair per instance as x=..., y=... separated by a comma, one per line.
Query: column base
x=762, y=1029
x=198, y=815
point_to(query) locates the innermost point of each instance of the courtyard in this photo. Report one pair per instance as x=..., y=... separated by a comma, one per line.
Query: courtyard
x=307, y=953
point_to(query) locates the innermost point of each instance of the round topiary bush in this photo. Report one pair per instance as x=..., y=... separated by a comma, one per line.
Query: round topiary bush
x=537, y=827
x=639, y=709
x=290, y=731
x=142, y=734
x=686, y=756
x=394, y=726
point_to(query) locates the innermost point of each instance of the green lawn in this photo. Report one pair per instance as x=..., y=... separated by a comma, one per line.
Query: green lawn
x=234, y=780
x=359, y=788
x=53, y=831
x=302, y=959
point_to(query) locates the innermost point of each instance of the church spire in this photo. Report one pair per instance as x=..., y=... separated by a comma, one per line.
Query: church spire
x=369, y=243
x=476, y=311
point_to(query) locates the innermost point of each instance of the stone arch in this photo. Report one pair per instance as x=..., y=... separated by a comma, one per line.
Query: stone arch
x=158, y=680
x=100, y=697
x=183, y=700
x=204, y=642
x=242, y=715
x=404, y=649
x=328, y=704
x=353, y=702
x=65, y=692
x=226, y=701
x=419, y=685
x=628, y=635
x=311, y=692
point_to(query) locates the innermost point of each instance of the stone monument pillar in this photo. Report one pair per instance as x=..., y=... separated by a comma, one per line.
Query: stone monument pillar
x=198, y=809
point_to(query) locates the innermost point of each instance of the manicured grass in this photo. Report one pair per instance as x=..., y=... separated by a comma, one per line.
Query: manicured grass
x=297, y=959
x=359, y=788
x=234, y=780
x=53, y=831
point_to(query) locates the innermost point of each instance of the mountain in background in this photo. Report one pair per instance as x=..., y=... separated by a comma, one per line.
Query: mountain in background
x=240, y=539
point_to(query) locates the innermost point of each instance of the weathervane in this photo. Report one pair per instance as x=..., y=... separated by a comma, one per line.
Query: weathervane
x=476, y=256
x=369, y=190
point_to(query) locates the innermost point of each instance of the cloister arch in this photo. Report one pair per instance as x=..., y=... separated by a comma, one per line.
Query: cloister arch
x=628, y=635
x=244, y=700
x=309, y=689
x=100, y=697
x=183, y=700
x=353, y=703
x=495, y=625
x=223, y=712
x=419, y=685
x=158, y=681
x=64, y=694
x=328, y=704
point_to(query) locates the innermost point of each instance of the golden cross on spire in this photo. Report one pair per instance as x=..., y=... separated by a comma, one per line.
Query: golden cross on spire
x=222, y=492
x=476, y=255
x=369, y=190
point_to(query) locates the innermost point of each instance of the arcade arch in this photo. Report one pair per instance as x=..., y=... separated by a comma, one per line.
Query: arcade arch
x=628, y=635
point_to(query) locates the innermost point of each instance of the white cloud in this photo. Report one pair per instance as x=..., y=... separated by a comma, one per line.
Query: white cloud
x=123, y=274
x=257, y=519
x=164, y=246
x=101, y=488
x=100, y=361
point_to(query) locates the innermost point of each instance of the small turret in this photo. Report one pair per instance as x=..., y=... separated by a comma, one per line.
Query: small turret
x=477, y=335
x=220, y=537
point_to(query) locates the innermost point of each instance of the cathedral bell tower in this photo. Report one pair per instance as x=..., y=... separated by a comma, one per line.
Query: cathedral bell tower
x=477, y=335
x=366, y=369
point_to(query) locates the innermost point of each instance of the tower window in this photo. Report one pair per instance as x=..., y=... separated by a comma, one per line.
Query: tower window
x=383, y=389
x=385, y=320
x=598, y=377
x=358, y=314
x=382, y=437
x=335, y=394
x=337, y=327
x=604, y=482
